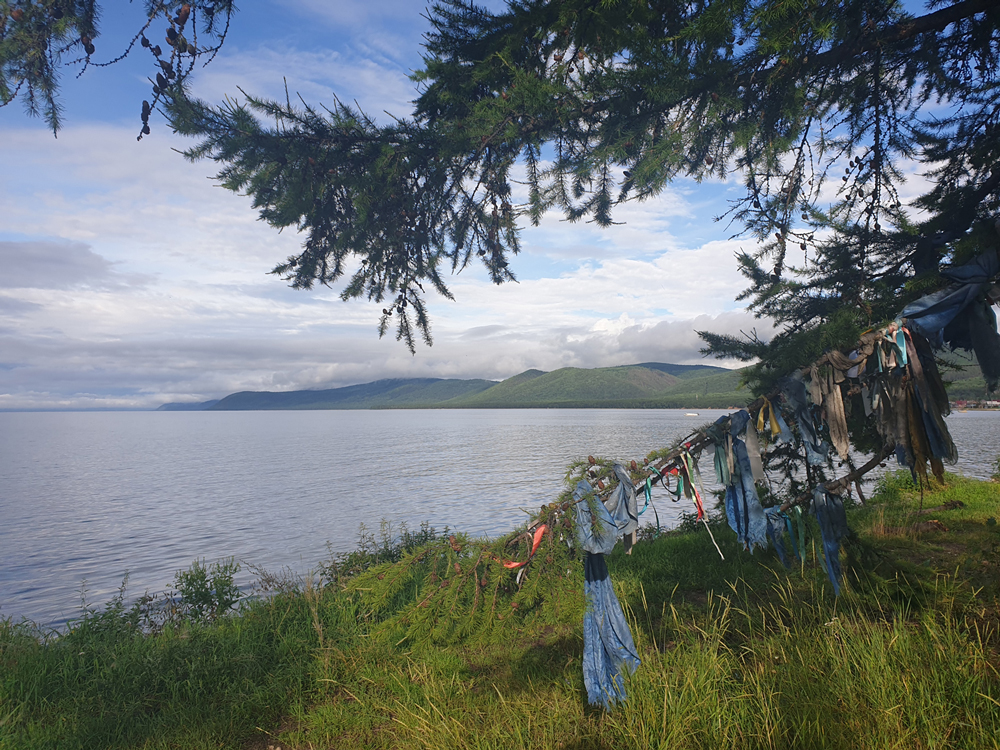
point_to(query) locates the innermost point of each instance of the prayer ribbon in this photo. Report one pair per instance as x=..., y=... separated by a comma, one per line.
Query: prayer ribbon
x=661, y=476
x=899, y=340
x=687, y=462
x=769, y=408
x=692, y=467
x=649, y=497
x=795, y=525
x=539, y=533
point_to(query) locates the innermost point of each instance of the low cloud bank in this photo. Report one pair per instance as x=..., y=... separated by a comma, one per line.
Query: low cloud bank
x=60, y=372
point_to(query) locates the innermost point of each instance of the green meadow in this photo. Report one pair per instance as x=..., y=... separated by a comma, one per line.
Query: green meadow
x=419, y=639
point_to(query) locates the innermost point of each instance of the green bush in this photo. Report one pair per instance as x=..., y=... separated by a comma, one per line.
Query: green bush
x=207, y=592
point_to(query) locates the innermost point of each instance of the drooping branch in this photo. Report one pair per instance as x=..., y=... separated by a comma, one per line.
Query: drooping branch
x=872, y=39
x=836, y=486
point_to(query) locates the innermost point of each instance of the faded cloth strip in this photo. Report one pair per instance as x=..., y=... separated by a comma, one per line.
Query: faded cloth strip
x=623, y=507
x=775, y=532
x=829, y=511
x=794, y=391
x=608, y=648
x=836, y=420
x=753, y=453
x=743, y=508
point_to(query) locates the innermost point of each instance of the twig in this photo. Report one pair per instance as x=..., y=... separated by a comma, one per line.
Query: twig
x=835, y=485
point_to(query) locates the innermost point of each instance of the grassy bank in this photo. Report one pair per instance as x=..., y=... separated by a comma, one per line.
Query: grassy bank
x=427, y=644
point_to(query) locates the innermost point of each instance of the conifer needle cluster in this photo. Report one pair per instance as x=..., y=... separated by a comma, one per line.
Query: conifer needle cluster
x=821, y=110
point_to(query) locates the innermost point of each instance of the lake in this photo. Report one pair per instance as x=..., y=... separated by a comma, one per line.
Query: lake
x=85, y=496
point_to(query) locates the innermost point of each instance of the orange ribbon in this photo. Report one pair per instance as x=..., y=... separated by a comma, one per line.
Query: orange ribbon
x=539, y=533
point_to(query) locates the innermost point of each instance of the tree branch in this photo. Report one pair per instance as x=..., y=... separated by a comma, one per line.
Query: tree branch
x=836, y=485
x=935, y=21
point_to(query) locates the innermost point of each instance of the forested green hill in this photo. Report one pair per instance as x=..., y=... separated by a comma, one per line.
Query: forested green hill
x=402, y=393
x=965, y=382
x=634, y=386
x=581, y=387
x=647, y=385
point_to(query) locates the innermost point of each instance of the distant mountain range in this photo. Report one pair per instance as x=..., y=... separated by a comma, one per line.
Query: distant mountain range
x=649, y=385
x=186, y=406
x=645, y=385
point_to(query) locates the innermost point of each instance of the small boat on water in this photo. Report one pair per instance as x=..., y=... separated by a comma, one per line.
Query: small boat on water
x=690, y=414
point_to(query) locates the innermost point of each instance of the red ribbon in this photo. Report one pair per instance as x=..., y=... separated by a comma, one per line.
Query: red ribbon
x=539, y=533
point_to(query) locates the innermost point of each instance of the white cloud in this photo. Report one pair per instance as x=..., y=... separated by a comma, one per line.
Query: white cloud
x=139, y=205
x=319, y=76
x=613, y=327
x=158, y=289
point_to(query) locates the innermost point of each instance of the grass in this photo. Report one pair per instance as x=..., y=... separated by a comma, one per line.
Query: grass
x=736, y=654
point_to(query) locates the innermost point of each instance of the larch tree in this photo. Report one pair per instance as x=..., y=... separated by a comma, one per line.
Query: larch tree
x=820, y=108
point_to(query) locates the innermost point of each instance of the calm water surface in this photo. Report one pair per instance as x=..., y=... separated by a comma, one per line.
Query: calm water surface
x=87, y=496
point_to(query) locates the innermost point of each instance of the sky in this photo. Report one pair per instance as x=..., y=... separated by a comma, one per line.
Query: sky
x=132, y=279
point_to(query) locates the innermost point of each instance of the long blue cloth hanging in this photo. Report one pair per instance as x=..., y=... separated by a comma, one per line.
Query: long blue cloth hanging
x=608, y=648
x=794, y=391
x=743, y=509
x=776, y=531
x=829, y=511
